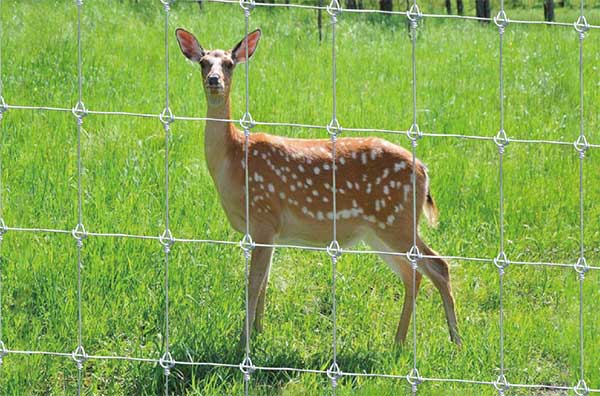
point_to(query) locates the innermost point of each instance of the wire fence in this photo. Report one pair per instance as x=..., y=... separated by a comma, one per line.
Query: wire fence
x=333, y=128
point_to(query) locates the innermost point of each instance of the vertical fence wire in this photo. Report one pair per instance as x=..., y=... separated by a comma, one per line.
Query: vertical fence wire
x=2, y=224
x=166, y=239
x=501, y=141
x=334, y=373
x=79, y=233
x=247, y=244
x=414, y=134
x=581, y=145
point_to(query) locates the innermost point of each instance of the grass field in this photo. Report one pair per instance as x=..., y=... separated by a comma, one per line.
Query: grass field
x=123, y=182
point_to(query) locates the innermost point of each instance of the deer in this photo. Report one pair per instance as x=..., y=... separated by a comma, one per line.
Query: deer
x=291, y=192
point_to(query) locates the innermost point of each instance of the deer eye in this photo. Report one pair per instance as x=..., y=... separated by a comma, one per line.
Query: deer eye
x=228, y=64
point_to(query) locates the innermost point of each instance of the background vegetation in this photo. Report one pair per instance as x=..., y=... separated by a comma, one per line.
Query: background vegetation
x=290, y=81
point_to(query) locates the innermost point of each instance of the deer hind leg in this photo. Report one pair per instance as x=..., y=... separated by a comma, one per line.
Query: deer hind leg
x=437, y=270
x=260, y=305
x=402, y=268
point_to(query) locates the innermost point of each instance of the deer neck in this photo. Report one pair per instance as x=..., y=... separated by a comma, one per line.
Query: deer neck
x=220, y=138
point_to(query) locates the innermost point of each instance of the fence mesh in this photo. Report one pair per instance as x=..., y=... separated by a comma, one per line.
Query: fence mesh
x=502, y=139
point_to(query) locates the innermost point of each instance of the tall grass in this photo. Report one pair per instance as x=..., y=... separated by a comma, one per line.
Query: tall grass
x=290, y=81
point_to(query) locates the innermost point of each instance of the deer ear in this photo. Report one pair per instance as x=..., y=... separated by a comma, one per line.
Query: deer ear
x=190, y=47
x=238, y=53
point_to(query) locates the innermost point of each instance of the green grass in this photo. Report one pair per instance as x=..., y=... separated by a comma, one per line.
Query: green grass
x=123, y=182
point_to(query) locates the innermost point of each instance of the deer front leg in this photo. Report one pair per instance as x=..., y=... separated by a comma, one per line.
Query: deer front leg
x=260, y=306
x=259, y=271
x=402, y=268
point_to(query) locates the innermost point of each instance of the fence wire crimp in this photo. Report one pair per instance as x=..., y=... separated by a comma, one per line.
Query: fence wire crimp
x=79, y=3
x=79, y=356
x=334, y=9
x=501, y=262
x=581, y=267
x=3, y=107
x=167, y=240
x=413, y=256
x=334, y=250
x=79, y=111
x=167, y=362
x=414, y=379
x=501, y=140
x=247, y=245
x=166, y=117
x=581, y=388
x=3, y=351
x=414, y=134
x=167, y=4
x=79, y=233
x=414, y=15
x=247, y=6
x=247, y=122
x=501, y=20
x=334, y=129
x=334, y=373
x=581, y=145
x=3, y=229
x=247, y=368
x=501, y=384
x=581, y=25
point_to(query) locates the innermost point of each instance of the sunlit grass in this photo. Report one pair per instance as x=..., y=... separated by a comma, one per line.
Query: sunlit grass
x=290, y=80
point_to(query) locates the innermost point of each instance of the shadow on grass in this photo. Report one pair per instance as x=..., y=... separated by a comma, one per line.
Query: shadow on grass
x=187, y=378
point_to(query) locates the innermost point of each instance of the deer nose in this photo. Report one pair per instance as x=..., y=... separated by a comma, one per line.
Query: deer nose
x=213, y=80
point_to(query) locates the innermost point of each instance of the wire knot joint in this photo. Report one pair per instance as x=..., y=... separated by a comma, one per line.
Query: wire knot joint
x=334, y=373
x=79, y=233
x=414, y=132
x=414, y=255
x=247, y=245
x=166, y=116
x=581, y=145
x=334, y=250
x=79, y=356
x=581, y=267
x=3, y=351
x=166, y=4
x=501, y=20
x=79, y=111
x=334, y=128
x=501, y=140
x=247, y=122
x=167, y=362
x=414, y=379
x=247, y=368
x=166, y=239
x=414, y=14
x=3, y=229
x=501, y=262
x=501, y=384
x=581, y=26
x=3, y=106
x=334, y=9
x=581, y=389
x=247, y=6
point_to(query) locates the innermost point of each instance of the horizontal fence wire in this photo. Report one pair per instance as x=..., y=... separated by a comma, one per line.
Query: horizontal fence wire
x=167, y=239
x=462, y=136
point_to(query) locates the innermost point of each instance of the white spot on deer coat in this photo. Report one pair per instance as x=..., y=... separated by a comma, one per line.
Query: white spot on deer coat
x=399, y=165
x=317, y=170
x=406, y=191
x=363, y=158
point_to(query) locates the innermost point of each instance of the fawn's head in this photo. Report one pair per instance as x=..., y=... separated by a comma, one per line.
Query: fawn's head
x=217, y=65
